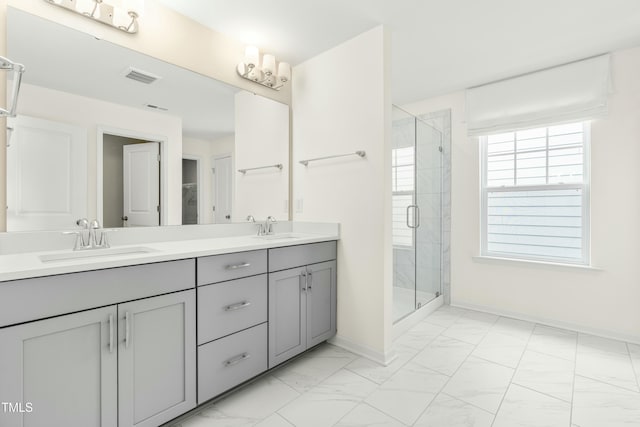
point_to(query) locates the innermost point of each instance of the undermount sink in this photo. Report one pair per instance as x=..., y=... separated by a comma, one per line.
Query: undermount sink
x=95, y=253
x=279, y=236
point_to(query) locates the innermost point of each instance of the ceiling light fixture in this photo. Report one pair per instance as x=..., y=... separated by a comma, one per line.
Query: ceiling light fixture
x=266, y=74
x=120, y=14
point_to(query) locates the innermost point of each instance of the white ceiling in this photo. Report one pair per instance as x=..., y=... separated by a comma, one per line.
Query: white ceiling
x=438, y=46
x=60, y=58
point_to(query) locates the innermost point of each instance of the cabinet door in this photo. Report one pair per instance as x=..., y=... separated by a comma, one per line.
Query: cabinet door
x=321, y=302
x=156, y=359
x=287, y=315
x=64, y=368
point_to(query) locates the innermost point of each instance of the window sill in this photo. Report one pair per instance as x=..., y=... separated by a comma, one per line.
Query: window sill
x=527, y=262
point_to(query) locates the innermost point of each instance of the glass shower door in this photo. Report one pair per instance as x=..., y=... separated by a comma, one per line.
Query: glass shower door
x=417, y=213
x=428, y=198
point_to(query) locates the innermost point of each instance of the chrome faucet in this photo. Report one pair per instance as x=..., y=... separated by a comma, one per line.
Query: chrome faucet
x=261, y=228
x=268, y=225
x=81, y=242
x=103, y=240
x=91, y=241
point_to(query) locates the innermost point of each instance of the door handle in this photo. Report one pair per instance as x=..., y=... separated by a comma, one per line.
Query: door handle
x=127, y=330
x=303, y=275
x=124, y=218
x=416, y=216
x=309, y=280
x=227, y=216
x=111, y=333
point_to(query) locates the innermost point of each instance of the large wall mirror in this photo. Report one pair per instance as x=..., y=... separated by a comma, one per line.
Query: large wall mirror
x=109, y=133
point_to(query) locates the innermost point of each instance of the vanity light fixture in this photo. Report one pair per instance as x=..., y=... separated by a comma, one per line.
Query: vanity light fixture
x=120, y=14
x=267, y=74
x=17, y=69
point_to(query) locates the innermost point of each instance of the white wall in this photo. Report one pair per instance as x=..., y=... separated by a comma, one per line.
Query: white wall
x=341, y=103
x=605, y=301
x=261, y=139
x=36, y=101
x=205, y=151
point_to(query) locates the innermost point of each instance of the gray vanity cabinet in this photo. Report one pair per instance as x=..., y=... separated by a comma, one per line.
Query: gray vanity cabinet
x=156, y=359
x=302, y=300
x=131, y=362
x=65, y=368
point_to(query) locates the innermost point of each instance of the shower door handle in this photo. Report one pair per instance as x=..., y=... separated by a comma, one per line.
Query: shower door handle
x=416, y=216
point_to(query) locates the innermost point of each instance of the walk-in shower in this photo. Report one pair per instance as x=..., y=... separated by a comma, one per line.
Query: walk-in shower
x=417, y=171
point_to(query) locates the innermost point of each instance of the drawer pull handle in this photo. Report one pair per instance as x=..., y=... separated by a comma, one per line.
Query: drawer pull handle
x=237, y=306
x=237, y=266
x=237, y=359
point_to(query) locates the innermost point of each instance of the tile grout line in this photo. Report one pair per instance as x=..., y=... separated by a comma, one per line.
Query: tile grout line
x=633, y=368
x=513, y=375
x=543, y=393
x=609, y=384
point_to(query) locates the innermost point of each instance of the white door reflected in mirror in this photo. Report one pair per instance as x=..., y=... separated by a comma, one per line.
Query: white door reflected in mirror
x=222, y=176
x=142, y=184
x=46, y=174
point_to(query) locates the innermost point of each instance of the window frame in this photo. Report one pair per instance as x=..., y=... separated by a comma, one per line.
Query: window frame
x=585, y=186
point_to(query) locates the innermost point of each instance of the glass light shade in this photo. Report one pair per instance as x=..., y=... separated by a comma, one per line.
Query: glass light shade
x=121, y=18
x=284, y=72
x=252, y=56
x=135, y=6
x=269, y=64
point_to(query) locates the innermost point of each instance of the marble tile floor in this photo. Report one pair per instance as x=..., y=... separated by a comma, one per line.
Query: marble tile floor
x=457, y=368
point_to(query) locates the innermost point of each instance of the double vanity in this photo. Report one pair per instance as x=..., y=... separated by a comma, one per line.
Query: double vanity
x=138, y=335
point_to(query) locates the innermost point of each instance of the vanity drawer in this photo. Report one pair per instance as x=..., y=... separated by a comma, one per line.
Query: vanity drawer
x=228, y=307
x=36, y=298
x=229, y=361
x=218, y=268
x=299, y=255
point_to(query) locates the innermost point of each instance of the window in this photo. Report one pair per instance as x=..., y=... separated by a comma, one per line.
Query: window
x=402, y=170
x=535, y=194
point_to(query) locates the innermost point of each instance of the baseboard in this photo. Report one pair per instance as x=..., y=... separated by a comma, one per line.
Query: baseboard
x=549, y=322
x=406, y=323
x=364, y=351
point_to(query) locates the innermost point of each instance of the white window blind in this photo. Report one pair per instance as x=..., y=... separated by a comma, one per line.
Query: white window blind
x=571, y=92
x=535, y=194
x=402, y=175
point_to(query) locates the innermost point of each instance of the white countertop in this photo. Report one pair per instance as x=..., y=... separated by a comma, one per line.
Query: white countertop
x=27, y=265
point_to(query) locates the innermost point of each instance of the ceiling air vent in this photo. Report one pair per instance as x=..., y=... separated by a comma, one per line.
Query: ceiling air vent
x=140, y=76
